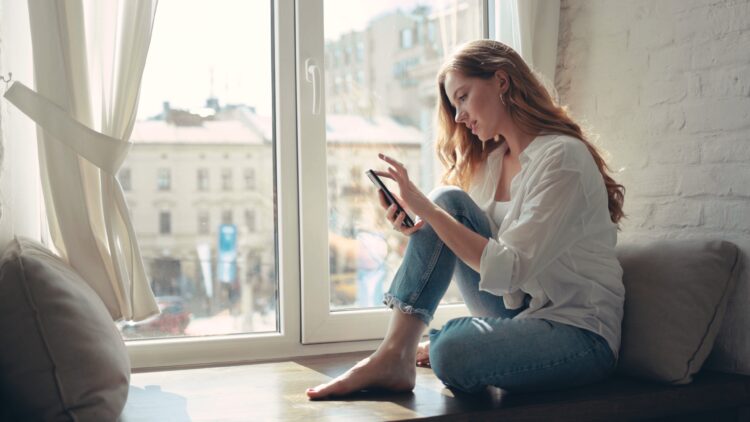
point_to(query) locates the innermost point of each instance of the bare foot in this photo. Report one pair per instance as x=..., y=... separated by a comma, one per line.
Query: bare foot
x=376, y=371
x=423, y=353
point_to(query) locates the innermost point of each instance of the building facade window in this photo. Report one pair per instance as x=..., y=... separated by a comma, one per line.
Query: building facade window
x=165, y=222
x=226, y=217
x=226, y=179
x=250, y=220
x=407, y=38
x=204, y=222
x=202, y=180
x=163, y=179
x=249, y=179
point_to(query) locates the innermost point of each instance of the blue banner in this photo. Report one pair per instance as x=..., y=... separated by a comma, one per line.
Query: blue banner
x=226, y=270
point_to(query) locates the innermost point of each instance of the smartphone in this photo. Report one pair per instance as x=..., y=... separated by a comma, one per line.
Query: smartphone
x=389, y=198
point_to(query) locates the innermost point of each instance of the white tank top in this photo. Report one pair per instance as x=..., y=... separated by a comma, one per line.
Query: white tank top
x=498, y=210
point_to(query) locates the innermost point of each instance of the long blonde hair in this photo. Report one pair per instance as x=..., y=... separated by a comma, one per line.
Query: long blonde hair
x=529, y=104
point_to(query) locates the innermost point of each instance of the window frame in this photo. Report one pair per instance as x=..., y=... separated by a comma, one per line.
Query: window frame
x=297, y=334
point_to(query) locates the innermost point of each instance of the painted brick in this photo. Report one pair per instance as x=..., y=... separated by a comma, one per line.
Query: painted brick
x=677, y=214
x=738, y=216
x=717, y=115
x=637, y=212
x=701, y=180
x=723, y=51
x=660, y=181
x=726, y=82
x=733, y=181
x=668, y=89
x=686, y=152
x=714, y=150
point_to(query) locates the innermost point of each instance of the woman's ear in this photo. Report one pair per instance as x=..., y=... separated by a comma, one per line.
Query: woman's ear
x=502, y=79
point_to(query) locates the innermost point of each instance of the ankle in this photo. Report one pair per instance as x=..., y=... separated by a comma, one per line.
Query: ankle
x=392, y=351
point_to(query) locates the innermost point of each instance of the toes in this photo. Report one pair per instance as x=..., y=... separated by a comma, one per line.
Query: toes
x=333, y=388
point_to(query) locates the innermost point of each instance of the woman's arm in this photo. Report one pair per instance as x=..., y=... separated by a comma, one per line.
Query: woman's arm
x=465, y=243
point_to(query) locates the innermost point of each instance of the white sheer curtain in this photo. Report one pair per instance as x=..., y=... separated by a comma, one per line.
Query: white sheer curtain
x=89, y=57
x=533, y=31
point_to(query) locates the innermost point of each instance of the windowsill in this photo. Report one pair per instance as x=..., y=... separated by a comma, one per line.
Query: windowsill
x=275, y=391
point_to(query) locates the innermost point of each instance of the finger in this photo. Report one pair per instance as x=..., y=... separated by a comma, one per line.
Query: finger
x=411, y=230
x=399, y=221
x=390, y=213
x=391, y=161
x=383, y=200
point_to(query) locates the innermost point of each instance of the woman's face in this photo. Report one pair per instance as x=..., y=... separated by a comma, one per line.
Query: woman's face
x=477, y=102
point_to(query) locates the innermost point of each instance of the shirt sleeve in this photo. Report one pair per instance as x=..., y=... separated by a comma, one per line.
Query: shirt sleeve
x=550, y=221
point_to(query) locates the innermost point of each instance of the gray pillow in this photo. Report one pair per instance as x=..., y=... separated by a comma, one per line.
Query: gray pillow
x=676, y=292
x=62, y=358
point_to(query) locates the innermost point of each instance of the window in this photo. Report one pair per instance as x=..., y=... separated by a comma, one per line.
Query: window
x=407, y=38
x=250, y=220
x=226, y=179
x=202, y=179
x=204, y=222
x=249, y=179
x=206, y=106
x=124, y=177
x=205, y=109
x=163, y=179
x=165, y=222
x=397, y=98
x=226, y=217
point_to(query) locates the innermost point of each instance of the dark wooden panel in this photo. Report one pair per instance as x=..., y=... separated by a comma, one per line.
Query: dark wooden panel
x=276, y=392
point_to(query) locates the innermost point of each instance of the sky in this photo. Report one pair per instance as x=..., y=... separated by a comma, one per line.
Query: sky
x=223, y=48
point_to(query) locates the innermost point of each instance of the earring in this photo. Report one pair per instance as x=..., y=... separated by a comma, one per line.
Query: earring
x=502, y=100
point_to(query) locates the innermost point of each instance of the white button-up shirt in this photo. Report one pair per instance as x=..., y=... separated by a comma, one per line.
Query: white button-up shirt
x=557, y=241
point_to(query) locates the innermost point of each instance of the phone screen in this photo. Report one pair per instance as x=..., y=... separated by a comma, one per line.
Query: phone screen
x=390, y=198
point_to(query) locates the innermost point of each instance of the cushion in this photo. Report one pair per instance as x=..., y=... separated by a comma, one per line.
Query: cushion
x=676, y=293
x=62, y=358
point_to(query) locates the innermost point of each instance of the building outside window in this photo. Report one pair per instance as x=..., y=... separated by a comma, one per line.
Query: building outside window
x=165, y=222
x=163, y=179
x=204, y=222
x=226, y=179
x=249, y=179
x=250, y=220
x=226, y=217
x=202, y=179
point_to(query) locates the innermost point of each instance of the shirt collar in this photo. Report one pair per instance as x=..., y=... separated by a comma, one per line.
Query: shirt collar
x=534, y=148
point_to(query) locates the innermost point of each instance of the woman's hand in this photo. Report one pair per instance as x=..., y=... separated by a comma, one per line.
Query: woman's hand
x=410, y=196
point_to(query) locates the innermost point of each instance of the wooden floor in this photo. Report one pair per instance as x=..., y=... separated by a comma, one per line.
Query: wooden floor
x=275, y=392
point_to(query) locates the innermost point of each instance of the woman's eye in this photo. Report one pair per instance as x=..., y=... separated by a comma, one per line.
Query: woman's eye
x=462, y=98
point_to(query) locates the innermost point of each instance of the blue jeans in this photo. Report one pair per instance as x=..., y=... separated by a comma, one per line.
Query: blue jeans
x=491, y=347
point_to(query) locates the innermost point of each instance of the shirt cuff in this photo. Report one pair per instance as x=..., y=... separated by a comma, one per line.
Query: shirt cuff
x=496, y=268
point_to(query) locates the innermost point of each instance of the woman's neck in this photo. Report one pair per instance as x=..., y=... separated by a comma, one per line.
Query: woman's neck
x=517, y=141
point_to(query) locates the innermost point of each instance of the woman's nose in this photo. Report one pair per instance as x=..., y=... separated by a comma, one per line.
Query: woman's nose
x=460, y=116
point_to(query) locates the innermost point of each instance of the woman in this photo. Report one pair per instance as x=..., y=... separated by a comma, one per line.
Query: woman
x=527, y=225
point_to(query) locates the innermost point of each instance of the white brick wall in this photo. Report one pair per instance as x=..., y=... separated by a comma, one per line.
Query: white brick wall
x=665, y=86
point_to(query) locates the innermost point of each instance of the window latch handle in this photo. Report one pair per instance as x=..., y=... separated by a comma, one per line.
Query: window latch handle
x=312, y=74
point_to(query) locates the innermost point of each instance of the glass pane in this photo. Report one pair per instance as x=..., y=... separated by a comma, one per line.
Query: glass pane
x=204, y=123
x=381, y=60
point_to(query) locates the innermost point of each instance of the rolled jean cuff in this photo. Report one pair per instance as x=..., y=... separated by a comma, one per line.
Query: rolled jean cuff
x=423, y=314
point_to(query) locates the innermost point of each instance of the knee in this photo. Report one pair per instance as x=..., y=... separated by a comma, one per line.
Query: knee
x=449, y=198
x=451, y=355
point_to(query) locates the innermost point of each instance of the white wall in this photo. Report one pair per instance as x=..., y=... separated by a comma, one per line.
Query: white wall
x=666, y=87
